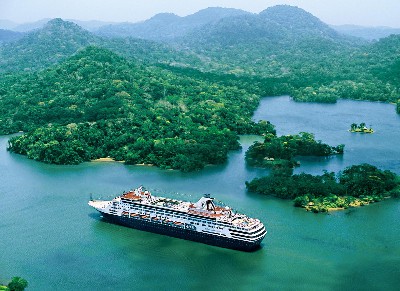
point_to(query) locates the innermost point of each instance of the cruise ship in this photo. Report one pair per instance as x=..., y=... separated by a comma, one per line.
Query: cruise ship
x=203, y=221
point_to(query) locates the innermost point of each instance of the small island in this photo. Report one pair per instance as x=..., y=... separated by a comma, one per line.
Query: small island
x=280, y=151
x=357, y=185
x=361, y=128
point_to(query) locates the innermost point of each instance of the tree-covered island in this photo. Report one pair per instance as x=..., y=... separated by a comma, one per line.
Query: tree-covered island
x=361, y=128
x=280, y=151
x=357, y=185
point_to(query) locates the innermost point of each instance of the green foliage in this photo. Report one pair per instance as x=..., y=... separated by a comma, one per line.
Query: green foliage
x=97, y=104
x=318, y=64
x=123, y=140
x=362, y=128
x=290, y=186
x=366, y=179
x=356, y=186
x=17, y=284
x=280, y=149
x=288, y=48
x=39, y=49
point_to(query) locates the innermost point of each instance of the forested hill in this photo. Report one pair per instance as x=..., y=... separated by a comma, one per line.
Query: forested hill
x=168, y=26
x=367, y=33
x=9, y=35
x=276, y=32
x=279, y=25
x=309, y=59
x=298, y=21
x=60, y=39
x=55, y=42
x=98, y=104
x=385, y=57
x=79, y=96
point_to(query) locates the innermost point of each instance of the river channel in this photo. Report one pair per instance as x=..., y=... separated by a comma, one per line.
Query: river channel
x=52, y=238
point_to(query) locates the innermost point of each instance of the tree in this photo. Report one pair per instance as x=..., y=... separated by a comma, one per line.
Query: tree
x=367, y=179
x=17, y=284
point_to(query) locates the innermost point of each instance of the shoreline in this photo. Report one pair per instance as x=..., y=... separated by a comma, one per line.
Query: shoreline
x=106, y=159
x=316, y=207
x=110, y=160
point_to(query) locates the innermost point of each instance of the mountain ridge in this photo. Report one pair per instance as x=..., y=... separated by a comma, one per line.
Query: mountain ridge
x=56, y=41
x=168, y=26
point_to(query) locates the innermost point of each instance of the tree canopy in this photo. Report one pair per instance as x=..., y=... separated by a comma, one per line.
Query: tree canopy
x=355, y=185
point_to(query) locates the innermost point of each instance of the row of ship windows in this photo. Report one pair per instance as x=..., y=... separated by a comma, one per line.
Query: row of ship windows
x=209, y=225
x=198, y=221
x=163, y=211
x=194, y=223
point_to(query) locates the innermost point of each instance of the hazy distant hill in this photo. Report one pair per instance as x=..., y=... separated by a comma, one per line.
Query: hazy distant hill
x=168, y=26
x=60, y=39
x=297, y=21
x=90, y=25
x=277, y=24
x=281, y=40
x=217, y=38
x=9, y=35
x=7, y=24
x=368, y=33
x=56, y=41
x=25, y=27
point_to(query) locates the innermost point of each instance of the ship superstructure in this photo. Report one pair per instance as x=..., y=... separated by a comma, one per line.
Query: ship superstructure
x=202, y=221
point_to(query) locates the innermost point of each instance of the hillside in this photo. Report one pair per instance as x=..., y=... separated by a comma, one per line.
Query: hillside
x=368, y=33
x=9, y=35
x=282, y=41
x=168, y=26
x=180, y=105
x=273, y=30
x=306, y=58
x=98, y=104
x=55, y=42
x=59, y=39
x=319, y=64
x=385, y=57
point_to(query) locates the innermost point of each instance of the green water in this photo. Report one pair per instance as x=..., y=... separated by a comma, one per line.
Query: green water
x=51, y=237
